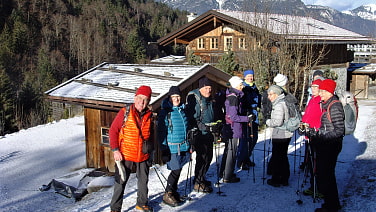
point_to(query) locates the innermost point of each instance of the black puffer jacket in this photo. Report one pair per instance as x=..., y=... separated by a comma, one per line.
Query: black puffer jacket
x=332, y=126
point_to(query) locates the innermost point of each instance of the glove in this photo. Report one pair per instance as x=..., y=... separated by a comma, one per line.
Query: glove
x=166, y=155
x=302, y=129
x=251, y=118
x=150, y=160
x=311, y=132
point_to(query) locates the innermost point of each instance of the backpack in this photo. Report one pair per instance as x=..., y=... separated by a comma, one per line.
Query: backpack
x=295, y=116
x=350, y=108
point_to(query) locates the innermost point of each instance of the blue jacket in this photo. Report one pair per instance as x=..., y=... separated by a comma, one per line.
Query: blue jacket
x=172, y=127
x=251, y=100
x=234, y=111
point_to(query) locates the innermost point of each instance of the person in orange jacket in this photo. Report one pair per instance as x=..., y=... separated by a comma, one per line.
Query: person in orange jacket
x=131, y=143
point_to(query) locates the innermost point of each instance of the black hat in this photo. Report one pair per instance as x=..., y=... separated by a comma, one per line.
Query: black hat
x=174, y=90
x=318, y=73
x=204, y=81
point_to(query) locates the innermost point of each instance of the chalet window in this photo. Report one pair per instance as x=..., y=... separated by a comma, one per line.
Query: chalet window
x=201, y=43
x=228, y=43
x=214, y=43
x=242, y=43
x=105, y=135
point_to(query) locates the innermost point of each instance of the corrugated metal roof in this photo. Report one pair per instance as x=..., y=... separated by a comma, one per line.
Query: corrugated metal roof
x=118, y=82
x=295, y=27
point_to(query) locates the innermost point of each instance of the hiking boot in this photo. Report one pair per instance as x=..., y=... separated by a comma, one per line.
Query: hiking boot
x=201, y=187
x=233, y=179
x=144, y=208
x=177, y=196
x=273, y=183
x=169, y=199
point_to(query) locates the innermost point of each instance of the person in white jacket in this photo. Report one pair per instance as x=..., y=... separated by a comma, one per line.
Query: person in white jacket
x=280, y=167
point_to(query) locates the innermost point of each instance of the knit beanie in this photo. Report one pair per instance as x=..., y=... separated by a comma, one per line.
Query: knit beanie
x=328, y=85
x=174, y=90
x=317, y=82
x=144, y=90
x=275, y=89
x=246, y=72
x=204, y=81
x=235, y=81
x=280, y=80
x=318, y=73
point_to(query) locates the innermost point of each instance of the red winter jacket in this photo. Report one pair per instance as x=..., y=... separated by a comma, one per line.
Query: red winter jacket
x=128, y=139
x=313, y=112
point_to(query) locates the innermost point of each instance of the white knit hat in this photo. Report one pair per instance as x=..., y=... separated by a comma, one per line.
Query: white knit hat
x=280, y=80
x=235, y=81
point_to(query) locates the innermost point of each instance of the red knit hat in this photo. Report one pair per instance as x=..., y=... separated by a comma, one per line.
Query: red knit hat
x=317, y=82
x=144, y=90
x=328, y=85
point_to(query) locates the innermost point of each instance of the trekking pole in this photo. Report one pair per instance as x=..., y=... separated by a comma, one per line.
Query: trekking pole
x=188, y=181
x=269, y=145
x=253, y=156
x=247, y=137
x=300, y=186
x=313, y=164
x=294, y=150
x=159, y=177
x=191, y=136
x=264, y=160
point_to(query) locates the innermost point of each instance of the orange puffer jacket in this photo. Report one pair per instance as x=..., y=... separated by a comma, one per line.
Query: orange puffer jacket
x=130, y=141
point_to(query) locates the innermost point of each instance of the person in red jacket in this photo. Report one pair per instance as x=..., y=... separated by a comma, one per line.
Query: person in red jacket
x=131, y=143
x=312, y=117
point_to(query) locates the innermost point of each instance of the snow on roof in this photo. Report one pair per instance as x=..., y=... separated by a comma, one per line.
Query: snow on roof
x=295, y=27
x=118, y=82
x=169, y=59
x=368, y=69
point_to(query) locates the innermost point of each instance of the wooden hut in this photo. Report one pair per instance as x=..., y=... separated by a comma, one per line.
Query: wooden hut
x=106, y=88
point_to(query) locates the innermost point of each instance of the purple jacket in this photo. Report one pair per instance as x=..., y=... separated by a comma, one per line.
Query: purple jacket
x=234, y=111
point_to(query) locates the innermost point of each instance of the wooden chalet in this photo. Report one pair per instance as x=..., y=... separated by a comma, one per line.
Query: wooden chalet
x=106, y=88
x=218, y=31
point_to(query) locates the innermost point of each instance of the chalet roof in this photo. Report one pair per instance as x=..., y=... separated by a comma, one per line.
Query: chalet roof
x=110, y=86
x=291, y=27
x=368, y=69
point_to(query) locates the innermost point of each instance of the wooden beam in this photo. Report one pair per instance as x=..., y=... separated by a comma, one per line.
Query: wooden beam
x=111, y=87
x=177, y=79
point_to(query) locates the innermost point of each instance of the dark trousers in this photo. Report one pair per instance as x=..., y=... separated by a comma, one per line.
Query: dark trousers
x=279, y=161
x=142, y=174
x=172, y=180
x=327, y=155
x=204, y=156
x=229, y=159
x=247, y=144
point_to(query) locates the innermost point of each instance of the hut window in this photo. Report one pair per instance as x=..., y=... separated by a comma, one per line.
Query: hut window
x=242, y=43
x=214, y=43
x=228, y=43
x=201, y=43
x=105, y=137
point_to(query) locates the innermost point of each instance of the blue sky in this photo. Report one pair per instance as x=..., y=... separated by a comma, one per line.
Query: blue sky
x=340, y=5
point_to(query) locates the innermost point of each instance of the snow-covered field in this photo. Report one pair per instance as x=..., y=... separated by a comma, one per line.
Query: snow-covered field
x=33, y=157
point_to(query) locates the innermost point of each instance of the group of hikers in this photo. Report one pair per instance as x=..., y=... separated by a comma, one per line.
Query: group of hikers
x=193, y=126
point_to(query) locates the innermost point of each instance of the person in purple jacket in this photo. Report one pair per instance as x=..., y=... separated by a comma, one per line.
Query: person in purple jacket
x=236, y=120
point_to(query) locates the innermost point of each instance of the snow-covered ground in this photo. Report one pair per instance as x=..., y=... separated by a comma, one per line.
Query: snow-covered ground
x=33, y=157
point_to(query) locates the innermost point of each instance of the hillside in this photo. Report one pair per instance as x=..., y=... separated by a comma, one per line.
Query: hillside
x=46, y=42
